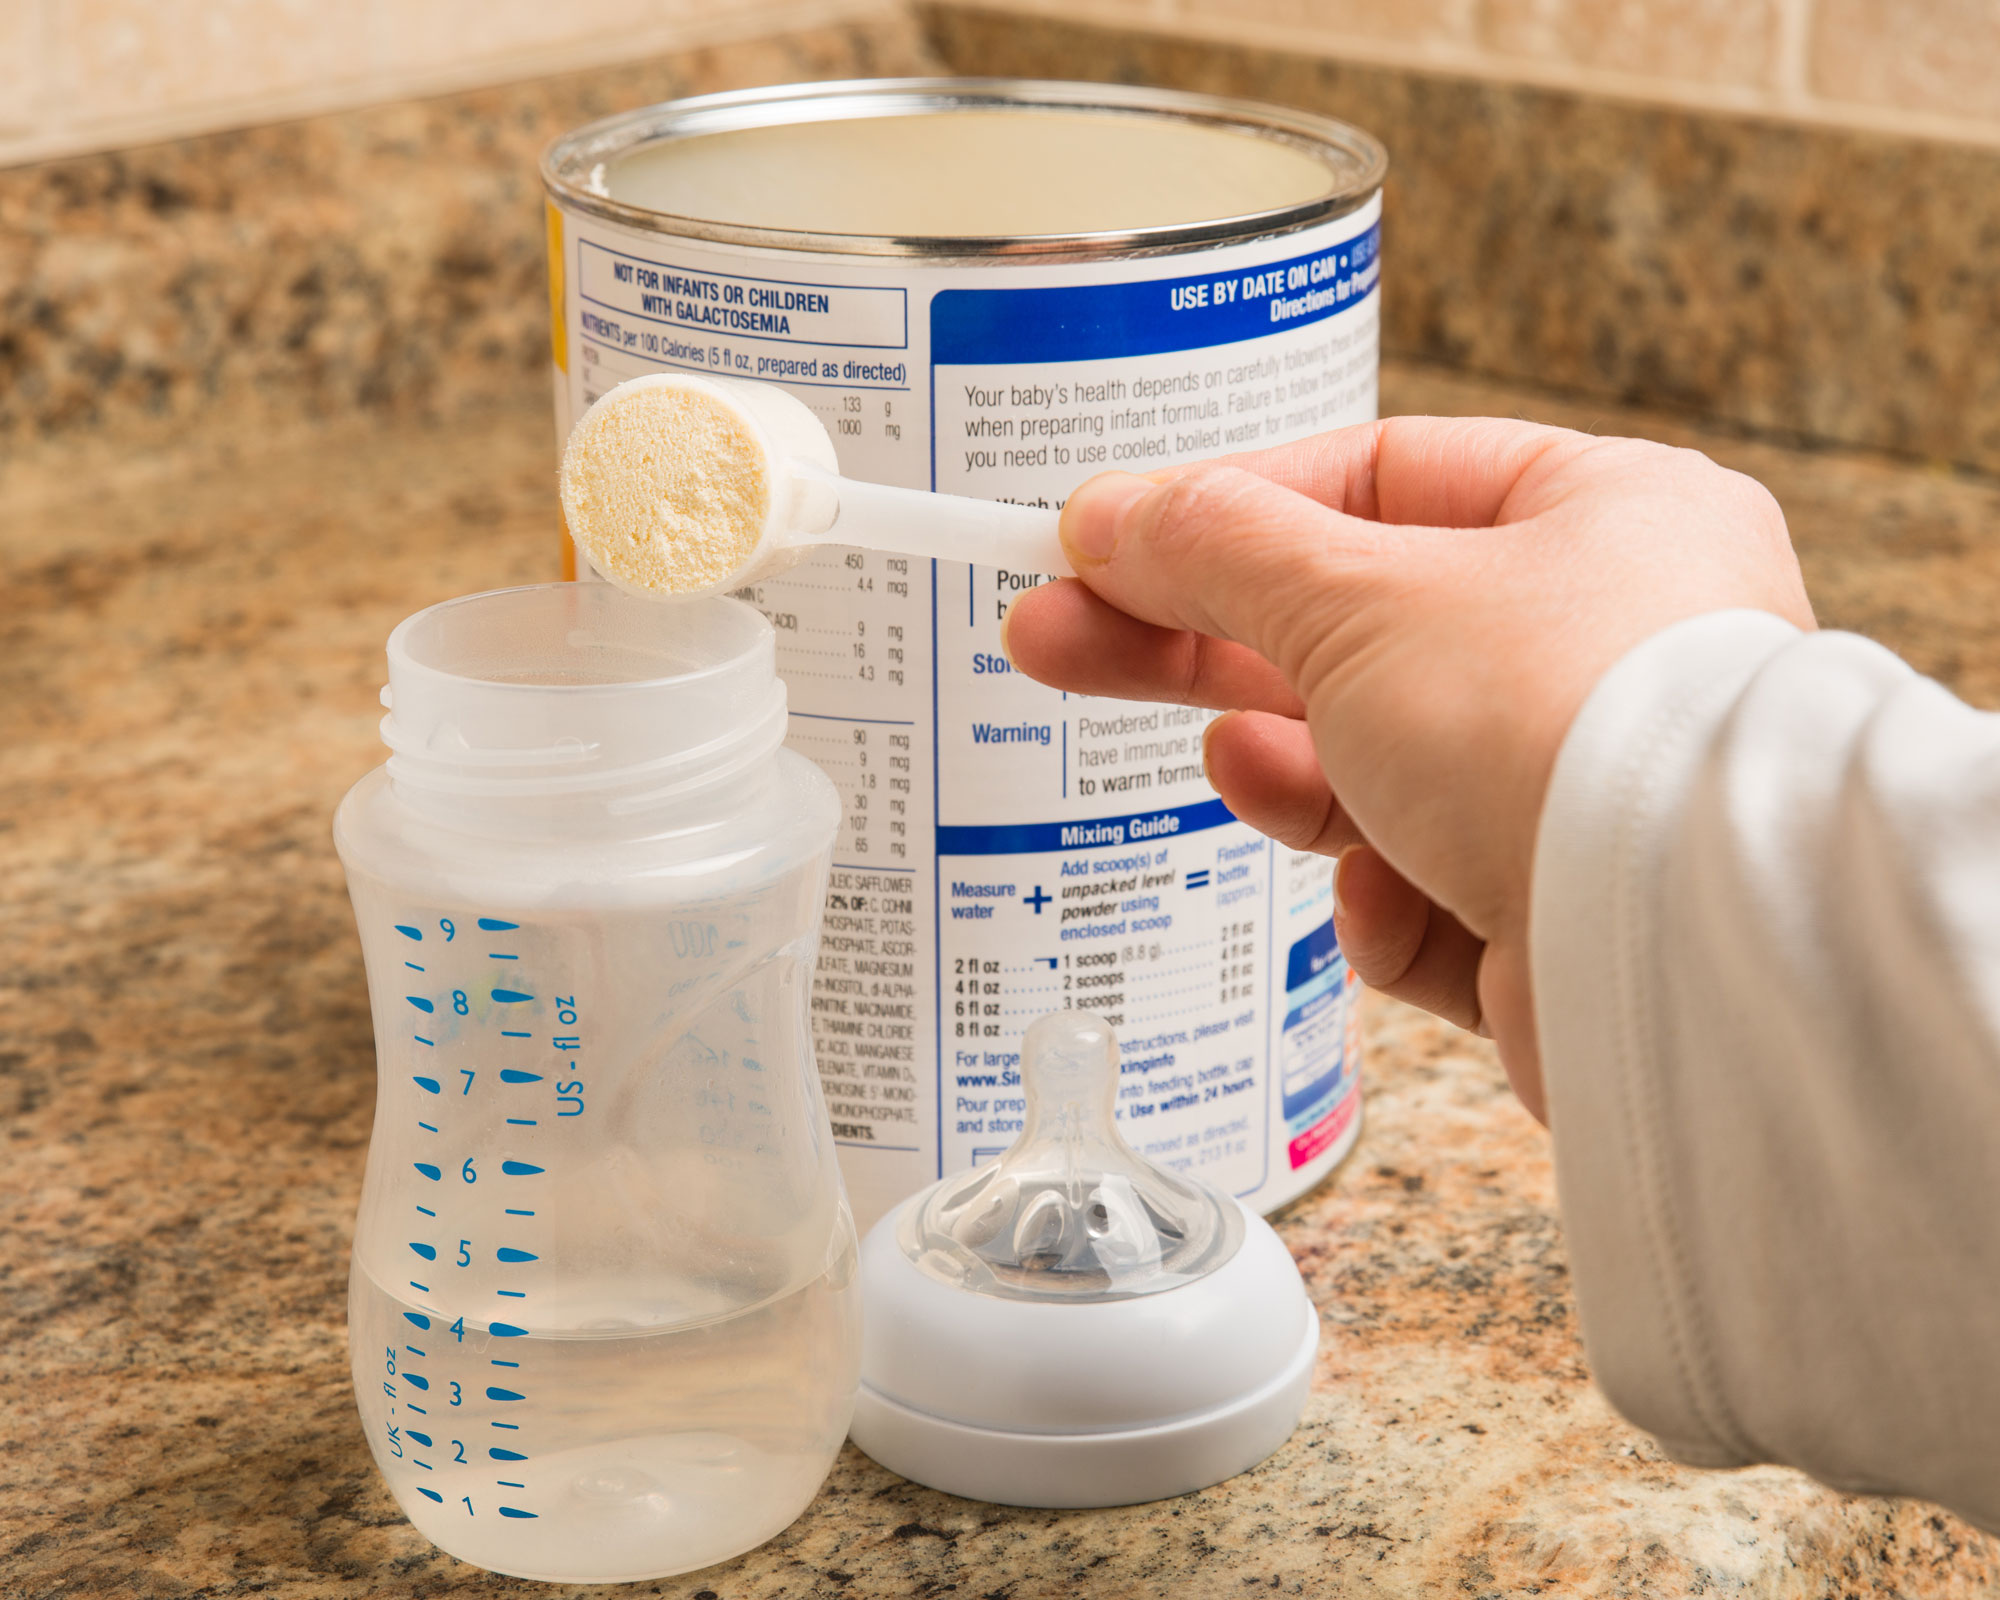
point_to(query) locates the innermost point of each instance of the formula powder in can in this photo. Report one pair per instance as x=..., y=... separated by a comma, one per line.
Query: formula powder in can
x=998, y=289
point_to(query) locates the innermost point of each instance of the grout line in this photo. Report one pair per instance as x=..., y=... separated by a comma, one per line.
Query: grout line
x=1794, y=75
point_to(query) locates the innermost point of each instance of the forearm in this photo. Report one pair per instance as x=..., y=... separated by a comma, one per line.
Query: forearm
x=1766, y=952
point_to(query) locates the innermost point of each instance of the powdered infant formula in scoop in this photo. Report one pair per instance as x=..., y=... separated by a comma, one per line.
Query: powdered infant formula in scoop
x=676, y=486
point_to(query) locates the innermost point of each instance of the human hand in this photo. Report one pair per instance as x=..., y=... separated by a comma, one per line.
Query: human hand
x=1401, y=620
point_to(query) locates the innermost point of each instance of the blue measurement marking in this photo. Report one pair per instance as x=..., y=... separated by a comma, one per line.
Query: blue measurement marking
x=428, y=1085
x=423, y=1439
x=426, y=1210
x=416, y=1380
x=495, y=955
x=495, y=925
x=504, y=1394
x=506, y=1483
x=420, y=1003
x=512, y=1294
x=509, y=1033
x=421, y=1039
x=516, y=1075
x=516, y=1122
x=430, y=1494
x=518, y=1169
x=512, y=1256
x=421, y=1288
x=427, y=1127
x=513, y=1213
x=507, y=997
x=429, y=1171
x=413, y=966
x=510, y=1511
x=506, y=1330
x=420, y=1461
x=417, y=1317
x=511, y=1427
x=409, y=932
x=427, y=1251
x=412, y=1405
x=499, y=1363
x=504, y=1455
x=416, y=1352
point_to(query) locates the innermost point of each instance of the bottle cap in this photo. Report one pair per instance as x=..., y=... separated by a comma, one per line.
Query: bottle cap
x=1071, y=1325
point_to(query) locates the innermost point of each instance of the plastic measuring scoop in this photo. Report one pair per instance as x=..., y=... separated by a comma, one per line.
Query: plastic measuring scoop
x=1072, y=1325
x=675, y=486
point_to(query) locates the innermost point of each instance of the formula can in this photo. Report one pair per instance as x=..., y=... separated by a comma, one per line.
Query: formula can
x=999, y=288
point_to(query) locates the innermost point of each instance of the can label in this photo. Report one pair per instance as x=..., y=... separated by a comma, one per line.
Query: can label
x=1007, y=849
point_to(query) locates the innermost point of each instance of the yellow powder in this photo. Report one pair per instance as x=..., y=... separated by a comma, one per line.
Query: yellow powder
x=665, y=490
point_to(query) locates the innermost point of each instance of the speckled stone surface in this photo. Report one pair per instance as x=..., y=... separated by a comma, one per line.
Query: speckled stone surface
x=390, y=259
x=1822, y=284
x=188, y=662
x=1813, y=283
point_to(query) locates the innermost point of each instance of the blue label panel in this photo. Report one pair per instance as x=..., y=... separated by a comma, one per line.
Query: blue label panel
x=1315, y=976
x=1311, y=956
x=1097, y=322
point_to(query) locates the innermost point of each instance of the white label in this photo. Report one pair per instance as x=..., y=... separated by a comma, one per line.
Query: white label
x=1006, y=849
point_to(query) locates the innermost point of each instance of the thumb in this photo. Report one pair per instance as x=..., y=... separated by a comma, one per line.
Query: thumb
x=1225, y=553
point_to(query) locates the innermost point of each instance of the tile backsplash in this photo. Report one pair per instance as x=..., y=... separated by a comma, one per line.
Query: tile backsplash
x=1923, y=67
x=80, y=75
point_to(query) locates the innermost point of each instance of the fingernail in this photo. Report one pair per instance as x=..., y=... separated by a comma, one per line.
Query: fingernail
x=1093, y=516
x=1339, y=905
x=1207, y=734
x=1006, y=622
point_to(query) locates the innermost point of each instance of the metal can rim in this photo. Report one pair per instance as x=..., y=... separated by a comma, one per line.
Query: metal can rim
x=569, y=161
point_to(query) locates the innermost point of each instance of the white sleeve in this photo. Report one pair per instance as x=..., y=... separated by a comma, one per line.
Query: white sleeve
x=1766, y=956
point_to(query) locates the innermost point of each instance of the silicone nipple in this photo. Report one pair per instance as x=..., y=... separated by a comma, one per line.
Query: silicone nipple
x=1070, y=1212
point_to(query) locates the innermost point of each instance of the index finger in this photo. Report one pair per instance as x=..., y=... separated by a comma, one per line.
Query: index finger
x=1440, y=472
x=1222, y=552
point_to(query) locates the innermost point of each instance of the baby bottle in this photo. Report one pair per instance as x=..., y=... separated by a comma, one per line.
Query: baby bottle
x=601, y=1314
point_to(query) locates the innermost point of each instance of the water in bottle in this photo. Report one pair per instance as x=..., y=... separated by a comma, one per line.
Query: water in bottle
x=601, y=1313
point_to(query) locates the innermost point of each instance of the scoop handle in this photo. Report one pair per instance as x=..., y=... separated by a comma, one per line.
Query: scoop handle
x=949, y=527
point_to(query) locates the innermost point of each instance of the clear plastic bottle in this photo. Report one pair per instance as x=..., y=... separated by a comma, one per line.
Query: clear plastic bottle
x=601, y=1313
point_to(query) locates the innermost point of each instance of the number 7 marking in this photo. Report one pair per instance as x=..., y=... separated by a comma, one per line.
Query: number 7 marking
x=466, y=1073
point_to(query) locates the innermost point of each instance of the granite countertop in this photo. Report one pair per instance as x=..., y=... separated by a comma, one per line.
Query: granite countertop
x=193, y=646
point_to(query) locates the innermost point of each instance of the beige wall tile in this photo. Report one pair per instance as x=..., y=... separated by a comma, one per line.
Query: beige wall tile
x=121, y=59
x=1923, y=55
x=22, y=65
x=1707, y=41
x=1415, y=21
x=423, y=34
